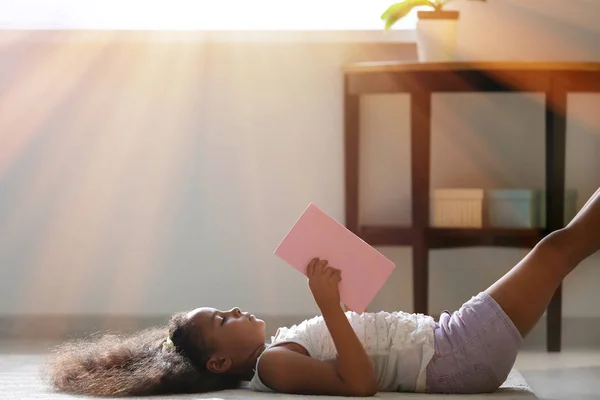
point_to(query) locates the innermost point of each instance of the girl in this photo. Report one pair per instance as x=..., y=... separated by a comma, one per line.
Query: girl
x=469, y=351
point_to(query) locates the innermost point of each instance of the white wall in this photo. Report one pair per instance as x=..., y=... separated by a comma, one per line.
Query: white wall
x=146, y=177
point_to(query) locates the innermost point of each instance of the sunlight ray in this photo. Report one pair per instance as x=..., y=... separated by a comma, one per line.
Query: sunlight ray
x=109, y=171
x=63, y=252
x=43, y=184
x=138, y=270
x=30, y=102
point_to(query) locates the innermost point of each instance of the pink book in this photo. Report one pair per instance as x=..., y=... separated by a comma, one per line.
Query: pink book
x=316, y=234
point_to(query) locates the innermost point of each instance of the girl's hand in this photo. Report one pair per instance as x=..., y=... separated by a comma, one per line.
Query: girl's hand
x=323, y=281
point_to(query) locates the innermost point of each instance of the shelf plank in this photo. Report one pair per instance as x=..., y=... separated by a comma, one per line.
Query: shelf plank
x=445, y=238
x=441, y=238
x=387, y=235
x=400, y=66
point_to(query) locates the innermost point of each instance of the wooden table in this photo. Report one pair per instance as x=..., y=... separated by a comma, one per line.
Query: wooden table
x=421, y=80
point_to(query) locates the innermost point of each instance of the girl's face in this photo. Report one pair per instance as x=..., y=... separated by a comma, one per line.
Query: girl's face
x=234, y=336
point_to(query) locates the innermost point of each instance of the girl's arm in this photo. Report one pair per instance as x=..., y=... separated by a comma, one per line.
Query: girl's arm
x=351, y=375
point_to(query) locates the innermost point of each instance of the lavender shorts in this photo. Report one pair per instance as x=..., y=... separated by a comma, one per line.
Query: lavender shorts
x=475, y=348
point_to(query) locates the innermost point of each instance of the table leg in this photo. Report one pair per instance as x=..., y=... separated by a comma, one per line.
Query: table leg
x=420, y=172
x=351, y=157
x=556, y=106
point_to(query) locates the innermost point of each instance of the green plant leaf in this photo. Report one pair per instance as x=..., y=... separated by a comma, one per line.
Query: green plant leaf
x=399, y=10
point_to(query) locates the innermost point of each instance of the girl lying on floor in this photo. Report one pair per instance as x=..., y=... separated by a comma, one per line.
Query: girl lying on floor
x=469, y=351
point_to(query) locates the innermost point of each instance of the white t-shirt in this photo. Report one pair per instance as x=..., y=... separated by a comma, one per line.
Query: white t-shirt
x=399, y=344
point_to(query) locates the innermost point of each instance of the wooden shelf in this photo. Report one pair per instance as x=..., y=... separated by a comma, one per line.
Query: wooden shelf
x=387, y=235
x=400, y=66
x=441, y=238
x=421, y=81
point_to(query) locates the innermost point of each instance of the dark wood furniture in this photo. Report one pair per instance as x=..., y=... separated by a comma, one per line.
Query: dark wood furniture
x=420, y=80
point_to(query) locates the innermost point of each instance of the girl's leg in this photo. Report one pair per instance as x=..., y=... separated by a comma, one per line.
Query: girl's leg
x=590, y=199
x=526, y=290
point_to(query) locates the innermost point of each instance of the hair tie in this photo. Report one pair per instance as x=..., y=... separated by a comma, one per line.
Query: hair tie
x=168, y=345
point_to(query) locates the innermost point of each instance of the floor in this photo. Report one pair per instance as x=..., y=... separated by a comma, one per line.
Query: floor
x=569, y=375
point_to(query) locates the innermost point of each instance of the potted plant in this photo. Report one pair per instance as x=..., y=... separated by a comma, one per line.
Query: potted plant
x=436, y=27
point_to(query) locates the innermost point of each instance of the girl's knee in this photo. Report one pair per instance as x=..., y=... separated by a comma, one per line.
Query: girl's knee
x=561, y=246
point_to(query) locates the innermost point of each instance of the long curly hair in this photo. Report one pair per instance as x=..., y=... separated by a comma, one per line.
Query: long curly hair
x=137, y=365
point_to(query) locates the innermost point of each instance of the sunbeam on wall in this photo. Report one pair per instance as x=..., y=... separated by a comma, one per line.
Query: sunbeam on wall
x=108, y=169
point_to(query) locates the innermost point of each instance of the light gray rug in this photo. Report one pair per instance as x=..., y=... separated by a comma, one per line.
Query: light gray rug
x=19, y=380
